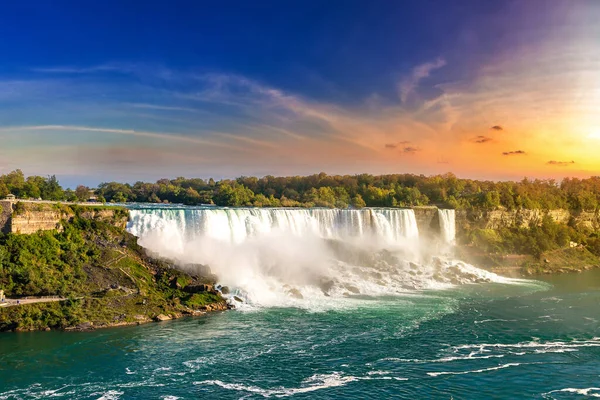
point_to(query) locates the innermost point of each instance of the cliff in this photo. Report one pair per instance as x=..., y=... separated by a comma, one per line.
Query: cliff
x=5, y=216
x=495, y=219
x=428, y=221
x=30, y=217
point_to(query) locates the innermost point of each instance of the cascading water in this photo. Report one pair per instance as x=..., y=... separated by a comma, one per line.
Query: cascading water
x=447, y=225
x=275, y=256
x=235, y=225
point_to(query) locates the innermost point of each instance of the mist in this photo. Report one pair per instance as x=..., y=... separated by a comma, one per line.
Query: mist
x=282, y=257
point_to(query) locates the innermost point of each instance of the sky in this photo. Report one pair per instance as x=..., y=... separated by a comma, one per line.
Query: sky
x=140, y=90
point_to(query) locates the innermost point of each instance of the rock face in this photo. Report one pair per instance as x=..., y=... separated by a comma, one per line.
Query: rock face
x=428, y=221
x=496, y=219
x=5, y=216
x=31, y=221
x=30, y=217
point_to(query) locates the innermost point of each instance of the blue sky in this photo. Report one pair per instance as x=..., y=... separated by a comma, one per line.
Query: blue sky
x=96, y=91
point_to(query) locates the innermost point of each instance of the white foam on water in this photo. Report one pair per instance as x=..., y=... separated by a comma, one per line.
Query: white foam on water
x=588, y=392
x=468, y=357
x=470, y=352
x=534, y=347
x=477, y=371
x=484, y=321
x=111, y=395
x=573, y=344
x=311, y=384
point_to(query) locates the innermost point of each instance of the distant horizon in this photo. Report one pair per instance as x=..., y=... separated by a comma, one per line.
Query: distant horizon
x=75, y=183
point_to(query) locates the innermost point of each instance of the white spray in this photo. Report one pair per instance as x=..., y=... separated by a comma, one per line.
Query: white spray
x=275, y=256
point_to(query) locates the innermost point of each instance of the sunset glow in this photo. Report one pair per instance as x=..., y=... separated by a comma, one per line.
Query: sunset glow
x=513, y=91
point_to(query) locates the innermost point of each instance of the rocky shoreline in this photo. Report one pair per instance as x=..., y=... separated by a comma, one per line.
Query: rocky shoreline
x=142, y=319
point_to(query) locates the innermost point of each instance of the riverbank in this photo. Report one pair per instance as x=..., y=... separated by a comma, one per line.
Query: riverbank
x=558, y=261
x=102, y=276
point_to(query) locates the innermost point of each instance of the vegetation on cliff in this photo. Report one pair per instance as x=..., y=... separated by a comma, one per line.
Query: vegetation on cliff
x=104, y=273
x=545, y=247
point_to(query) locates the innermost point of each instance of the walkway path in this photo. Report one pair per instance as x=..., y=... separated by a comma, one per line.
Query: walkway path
x=13, y=302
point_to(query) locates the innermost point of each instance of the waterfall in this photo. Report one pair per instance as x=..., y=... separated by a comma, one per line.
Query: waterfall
x=447, y=225
x=303, y=257
x=236, y=225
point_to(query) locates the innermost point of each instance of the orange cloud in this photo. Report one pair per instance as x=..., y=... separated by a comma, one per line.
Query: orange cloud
x=560, y=163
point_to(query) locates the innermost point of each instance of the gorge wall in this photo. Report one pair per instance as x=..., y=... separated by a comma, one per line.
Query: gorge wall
x=30, y=217
x=5, y=216
x=495, y=219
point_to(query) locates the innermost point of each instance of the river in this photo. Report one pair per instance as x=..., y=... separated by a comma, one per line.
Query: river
x=536, y=339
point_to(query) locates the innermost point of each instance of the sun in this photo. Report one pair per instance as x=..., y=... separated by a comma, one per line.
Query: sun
x=594, y=135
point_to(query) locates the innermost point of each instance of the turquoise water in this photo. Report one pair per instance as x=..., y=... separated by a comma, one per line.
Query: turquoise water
x=533, y=340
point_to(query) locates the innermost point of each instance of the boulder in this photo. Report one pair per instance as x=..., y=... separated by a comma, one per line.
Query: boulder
x=326, y=285
x=352, y=289
x=225, y=290
x=162, y=317
x=174, y=283
x=295, y=293
x=85, y=326
x=198, y=288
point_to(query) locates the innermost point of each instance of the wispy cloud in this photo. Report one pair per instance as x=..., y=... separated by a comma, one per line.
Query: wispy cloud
x=125, y=132
x=408, y=85
x=497, y=128
x=514, y=153
x=411, y=150
x=481, y=139
x=396, y=144
x=111, y=67
x=159, y=107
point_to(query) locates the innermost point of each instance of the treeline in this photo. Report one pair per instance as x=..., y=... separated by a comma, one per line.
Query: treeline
x=322, y=190
x=38, y=187
x=399, y=190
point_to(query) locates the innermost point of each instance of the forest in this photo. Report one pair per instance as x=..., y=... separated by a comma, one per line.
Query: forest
x=322, y=190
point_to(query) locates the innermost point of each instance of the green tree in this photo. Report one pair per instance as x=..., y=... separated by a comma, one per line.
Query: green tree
x=51, y=190
x=3, y=190
x=233, y=196
x=82, y=193
x=358, y=202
